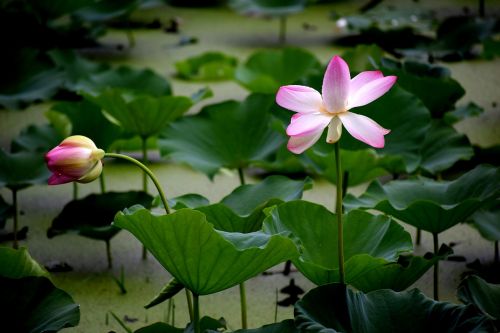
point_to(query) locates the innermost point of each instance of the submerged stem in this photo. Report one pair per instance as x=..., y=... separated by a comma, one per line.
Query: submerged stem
x=102, y=182
x=190, y=304
x=108, y=253
x=75, y=190
x=144, y=183
x=338, y=211
x=496, y=252
x=436, y=266
x=282, y=29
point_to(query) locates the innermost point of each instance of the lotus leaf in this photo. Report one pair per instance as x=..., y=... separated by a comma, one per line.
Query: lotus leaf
x=370, y=241
x=198, y=256
x=335, y=308
x=92, y=216
x=266, y=71
x=223, y=135
x=484, y=295
x=22, y=169
x=267, y=8
x=37, y=138
x=430, y=205
x=18, y=264
x=207, y=66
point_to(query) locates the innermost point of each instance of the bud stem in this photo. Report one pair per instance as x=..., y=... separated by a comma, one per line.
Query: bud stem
x=149, y=173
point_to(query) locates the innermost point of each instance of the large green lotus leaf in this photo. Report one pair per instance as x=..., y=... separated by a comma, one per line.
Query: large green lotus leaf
x=198, y=256
x=159, y=328
x=106, y=10
x=87, y=119
x=484, y=295
x=143, y=115
x=462, y=112
x=266, y=71
x=207, y=324
x=32, y=80
x=246, y=198
x=207, y=66
x=92, y=216
x=334, y=308
x=362, y=165
x=18, y=264
x=91, y=77
x=36, y=138
x=452, y=147
x=369, y=241
x=430, y=205
x=229, y=134
x=34, y=304
x=397, y=276
x=22, y=169
x=486, y=221
x=267, y=8
x=423, y=80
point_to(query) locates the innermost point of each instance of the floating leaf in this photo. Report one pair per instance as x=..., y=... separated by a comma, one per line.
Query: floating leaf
x=266, y=71
x=198, y=256
x=159, y=328
x=335, y=308
x=423, y=80
x=363, y=57
x=267, y=8
x=369, y=241
x=430, y=205
x=102, y=11
x=18, y=264
x=92, y=216
x=171, y=289
x=484, y=295
x=207, y=66
x=87, y=119
x=22, y=169
x=229, y=134
x=144, y=115
x=462, y=112
x=452, y=147
x=33, y=304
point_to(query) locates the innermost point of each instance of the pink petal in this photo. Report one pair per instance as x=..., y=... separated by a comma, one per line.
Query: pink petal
x=57, y=179
x=306, y=124
x=363, y=78
x=370, y=91
x=299, y=99
x=364, y=129
x=73, y=162
x=336, y=84
x=298, y=144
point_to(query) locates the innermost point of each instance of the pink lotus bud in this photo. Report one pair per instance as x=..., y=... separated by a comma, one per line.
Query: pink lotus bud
x=75, y=159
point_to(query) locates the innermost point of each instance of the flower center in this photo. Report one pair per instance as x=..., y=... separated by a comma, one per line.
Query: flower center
x=324, y=110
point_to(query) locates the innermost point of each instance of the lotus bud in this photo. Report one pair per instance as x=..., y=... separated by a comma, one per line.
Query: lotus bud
x=75, y=159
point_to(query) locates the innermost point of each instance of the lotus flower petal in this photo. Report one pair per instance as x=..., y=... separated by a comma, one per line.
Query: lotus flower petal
x=364, y=129
x=336, y=85
x=299, y=99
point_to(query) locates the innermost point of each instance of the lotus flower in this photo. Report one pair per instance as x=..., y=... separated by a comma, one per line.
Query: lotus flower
x=340, y=94
x=76, y=158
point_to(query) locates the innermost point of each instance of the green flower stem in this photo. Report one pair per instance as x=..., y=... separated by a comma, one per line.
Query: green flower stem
x=162, y=197
x=338, y=211
x=75, y=190
x=15, y=244
x=243, y=296
x=145, y=162
x=144, y=182
x=436, y=266
x=102, y=182
x=148, y=172
x=196, y=313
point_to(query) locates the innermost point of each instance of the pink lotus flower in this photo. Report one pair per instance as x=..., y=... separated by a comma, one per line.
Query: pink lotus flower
x=76, y=158
x=340, y=94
